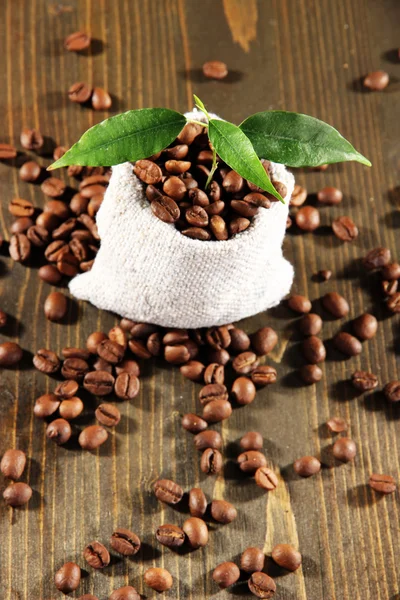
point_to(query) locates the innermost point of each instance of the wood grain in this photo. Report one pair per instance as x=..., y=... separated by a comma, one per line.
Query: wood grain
x=307, y=56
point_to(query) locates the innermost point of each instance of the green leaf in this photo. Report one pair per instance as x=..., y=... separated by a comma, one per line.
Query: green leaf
x=130, y=136
x=298, y=140
x=236, y=150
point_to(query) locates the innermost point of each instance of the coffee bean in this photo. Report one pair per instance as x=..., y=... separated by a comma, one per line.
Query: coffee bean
x=38, y=236
x=215, y=69
x=384, y=484
x=71, y=408
x=55, y=306
x=313, y=350
x=347, y=344
x=45, y=406
x=364, y=381
x=263, y=375
x=244, y=208
x=221, y=357
x=178, y=152
x=59, y=431
x=240, y=341
x=376, y=81
x=197, y=196
x=389, y=288
x=196, y=532
x=176, y=355
x=216, y=208
x=310, y=374
x=245, y=362
x=78, y=204
x=344, y=449
x=299, y=196
x=324, y=274
x=218, y=227
x=196, y=233
x=211, y=461
x=193, y=423
x=286, y=557
x=330, y=196
x=64, y=231
x=177, y=167
x=243, y=390
x=125, y=593
x=66, y=389
x=299, y=304
x=226, y=574
x=223, y=511
x=233, y=182
x=392, y=391
x=175, y=337
x=99, y=383
x=251, y=460
x=94, y=340
x=310, y=324
x=393, y=303
x=158, y=579
x=10, y=354
x=214, y=373
x=17, y=494
x=252, y=560
x=335, y=304
x=196, y=216
x=77, y=41
x=365, y=326
x=68, y=578
x=391, y=271
x=46, y=361
x=7, y=151
x=218, y=337
x=31, y=139
x=55, y=250
x=264, y=341
x=211, y=392
x=197, y=502
x=58, y=152
x=238, y=225
x=96, y=555
x=101, y=99
x=69, y=352
x=139, y=349
x=20, y=247
x=53, y=187
x=147, y=171
x=208, y=439
x=13, y=464
x=266, y=478
x=125, y=542
x=108, y=414
x=126, y=386
x=128, y=366
x=74, y=368
x=168, y=491
x=166, y=209
x=171, y=536
x=21, y=225
x=252, y=440
x=217, y=411
x=307, y=218
x=307, y=466
x=92, y=437
x=111, y=351
x=68, y=264
x=345, y=229
x=377, y=258
x=80, y=92
x=336, y=424
x=19, y=207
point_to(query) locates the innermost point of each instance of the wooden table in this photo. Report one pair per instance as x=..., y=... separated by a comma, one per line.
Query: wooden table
x=306, y=56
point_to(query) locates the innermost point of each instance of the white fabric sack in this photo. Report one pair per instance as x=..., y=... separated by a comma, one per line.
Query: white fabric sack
x=147, y=271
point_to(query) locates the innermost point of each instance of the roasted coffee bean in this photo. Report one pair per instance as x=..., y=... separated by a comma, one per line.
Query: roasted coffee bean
x=55, y=250
x=66, y=389
x=67, y=264
x=128, y=366
x=57, y=208
x=217, y=411
x=196, y=532
x=324, y=275
x=46, y=361
x=213, y=391
x=125, y=593
x=21, y=225
x=111, y=351
x=344, y=449
x=252, y=560
x=46, y=405
x=19, y=207
x=77, y=41
x=223, y=511
x=96, y=555
x=101, y=99
x=108, y=414
x=53, y=187
x=364, y=381
x=393, y=303
x=64, y=231
x=126, y=386
x=226, y=574
x=68, y=578
x=299, y=196
x=90, y=225
x=252, y=440
x=55, y=306
x=208, y=439
x=13, y=464
x=197, y=502
x=244, y=209
x=221, y=357
x=48, y=221
x=59, y=431
x=347, y=344
x=299, y=304
x=389, y=287
x=256, y=199
x=240, y=341
x=92, y=437
x=196, y=216
x=125, y=542
x=215, y=69
x=74, y=368
x=20, y=247
x=31, y=139
x=335, y=304
x=193, y=423
x=307, y=466
x=218, y=337
x=197, y=197
x=166, y=209
x=384, y=484
x=196, y=233
x=243, y=390
x=168, y=491
x=392, y=391
x=99, y=383
x=78, y=204
x=76, y=170
x=266, y=479
x=171, y=536
x=245, y=362
x=330, y=196
x=10, y=354
x=38, y=236
x=238, y=225
x=178, y=152
x=377, y=258
x=251, y=460
x=173, y=188
x=365, y=326
x=263, y=375
x=177, y=167
x=336, y=424
x=17, y=494
x=176, y=355
x=7, y=151
x=216, y=208
x=148, y=172
x=214, y=373
x=211, y=461
x=310, y=324
x=175, y=337
x=264, y=341
x=58, y=152
x=158, y=579
x=286, y=557
x=94, y=340
x=391, y=271
x=345, y=229
x=313, y=350
x=310, y=374
x=139, y=349
x=233, y=182
x=307, y=218
x=71, y=408
x=376, y=81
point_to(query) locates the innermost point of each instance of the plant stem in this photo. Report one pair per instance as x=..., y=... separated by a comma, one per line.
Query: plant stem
x=198, y=122
x=213, y=168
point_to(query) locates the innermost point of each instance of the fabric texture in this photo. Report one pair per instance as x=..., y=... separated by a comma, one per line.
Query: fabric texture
x=147, y=271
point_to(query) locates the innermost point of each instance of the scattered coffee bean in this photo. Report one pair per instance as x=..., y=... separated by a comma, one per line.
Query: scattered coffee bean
x=252, y=560
x=376, y=81
x=389, y=288
x=313, y=350
x=77, y=41
x=226, y=574
x=10, y=354
x=245, y=362
x=364, y=381
x=193, y=423
x=251, y=460
x=365, y=326
x=217, y=411
x=17, y=494
x=196, y=532
x=197, y=502
x=68, y=578
x=252, y=440
x=240, y=341
x=168, y=491
x=393, y=303
x=46, y=361
x=19, y=207
x=20, y=247
x=307, y=466
x=53, y=187
x=243, y=390
x=108, y=414
x=263, y=341
x=324, y=274
x=59, y=431
x=111, y=351
x=101, y=100
x=377, y=258
x=66, y=389
x=345, y=229
x=71, y=408
x=7, y=151
x=193, y=370
x=31, y=139
x=384, y=484
x=263, y=375
x=166, y=209
x=128, y=366
x=55, y=306
x=96, y=555
x=92, y=437
x=211, y=392
x=330, y=196
x=214, y=373
x=310, y=374
x=80, y=92
x=126, y=592
x=335, y=304
x=74, y=368
x=266, y=478
x=286, y=557
x=13, y=464
x=125, y=542
x=347, y=344
x=299, y=304
x=177, y=355
x=391, y=271
x=344, y=449
x=261, y=585
x=215, y=69
x=299, y=196
x=336, y=424
x=310, y=324
x=126, y=386
x=21, y=225
x=46, y=405
x=99, y=383
x=158, y=579
x=392, y=391
x=307, y=218
x=211, y=461
x=208, y=439
x=223, y=511
x=94, y=340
